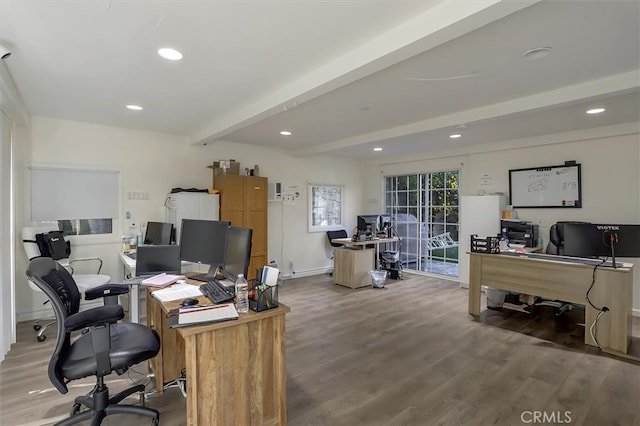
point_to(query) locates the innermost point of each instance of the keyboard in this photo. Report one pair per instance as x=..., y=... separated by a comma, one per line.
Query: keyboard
x=217, y=292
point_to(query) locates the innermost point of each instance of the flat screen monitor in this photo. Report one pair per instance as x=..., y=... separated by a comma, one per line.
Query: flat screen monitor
x=595, y=240
x=158, y=233
x=204, y=241
x=151, y=260
x=368, y=223
x=238, y=253
x=583, y=240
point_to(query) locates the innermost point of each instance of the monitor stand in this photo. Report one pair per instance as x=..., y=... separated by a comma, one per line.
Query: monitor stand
x=209, y=276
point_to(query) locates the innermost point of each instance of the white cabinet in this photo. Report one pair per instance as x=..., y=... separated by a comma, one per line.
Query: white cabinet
x=191, y=205
x=479, y=214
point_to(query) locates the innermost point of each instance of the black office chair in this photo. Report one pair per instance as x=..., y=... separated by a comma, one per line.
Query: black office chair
x=332, y=235
x=556, y=246
x=104, y=347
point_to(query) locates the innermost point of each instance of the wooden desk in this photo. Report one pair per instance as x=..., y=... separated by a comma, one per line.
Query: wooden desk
x=129, y=272
x=564, y=281
x=235, y=369
x=363, y=244
x=351, y=267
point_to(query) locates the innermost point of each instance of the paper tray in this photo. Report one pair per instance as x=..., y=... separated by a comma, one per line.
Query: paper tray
x=184, y=317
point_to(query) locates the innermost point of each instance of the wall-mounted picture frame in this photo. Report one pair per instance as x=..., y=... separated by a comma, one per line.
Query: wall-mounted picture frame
x=326, y=207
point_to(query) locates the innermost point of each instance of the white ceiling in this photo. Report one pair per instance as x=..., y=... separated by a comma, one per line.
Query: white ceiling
x=343, y=76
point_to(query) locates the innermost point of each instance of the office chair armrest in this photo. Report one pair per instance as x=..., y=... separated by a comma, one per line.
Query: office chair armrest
x=108, y=314
x=86, y=259
x=106, y=290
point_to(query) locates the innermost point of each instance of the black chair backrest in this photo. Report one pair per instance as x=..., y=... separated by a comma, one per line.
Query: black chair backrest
x=553, y=246
x=56, y=282
x=556, y=238
x=332, y=235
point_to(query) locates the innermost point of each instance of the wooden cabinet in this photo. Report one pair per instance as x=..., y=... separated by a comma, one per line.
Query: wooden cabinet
x=351, y=266
x=243, y=202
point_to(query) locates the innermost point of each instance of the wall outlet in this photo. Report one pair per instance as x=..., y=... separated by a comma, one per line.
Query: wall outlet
x=288, y=199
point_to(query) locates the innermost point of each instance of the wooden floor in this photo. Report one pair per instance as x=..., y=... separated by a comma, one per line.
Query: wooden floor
x=407, y=354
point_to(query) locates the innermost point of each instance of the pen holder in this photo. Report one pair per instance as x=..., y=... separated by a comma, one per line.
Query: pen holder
x=263, y=297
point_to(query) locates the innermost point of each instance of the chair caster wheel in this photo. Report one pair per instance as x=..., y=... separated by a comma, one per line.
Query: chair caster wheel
x=75, y=409
x=37, y=327
x=155, y=422
x=41, y=338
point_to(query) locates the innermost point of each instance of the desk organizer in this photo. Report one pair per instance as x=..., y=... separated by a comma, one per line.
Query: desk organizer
x=489, y=245
x=264, y=297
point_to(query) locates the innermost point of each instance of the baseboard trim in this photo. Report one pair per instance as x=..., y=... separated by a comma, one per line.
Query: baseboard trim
x=35, y=315
x=47, y=313
x=309, y=272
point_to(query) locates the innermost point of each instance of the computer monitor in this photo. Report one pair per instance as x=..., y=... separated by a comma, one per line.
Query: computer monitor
x=238, y=253
x=596, y=240
x=151, y=260
x=204, y=241
x=368, y=223
x=583, y=240
x=158, y=233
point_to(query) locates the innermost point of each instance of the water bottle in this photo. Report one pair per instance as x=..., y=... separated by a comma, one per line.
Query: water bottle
x=242, y=296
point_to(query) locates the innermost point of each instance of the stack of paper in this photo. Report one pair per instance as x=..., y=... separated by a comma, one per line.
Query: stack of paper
x=177, y=292
x=161, y=280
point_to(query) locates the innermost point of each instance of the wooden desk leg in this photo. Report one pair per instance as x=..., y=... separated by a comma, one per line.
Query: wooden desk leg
x=475, y=280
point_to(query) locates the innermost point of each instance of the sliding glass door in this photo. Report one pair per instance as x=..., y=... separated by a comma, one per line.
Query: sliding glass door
x=424, y=212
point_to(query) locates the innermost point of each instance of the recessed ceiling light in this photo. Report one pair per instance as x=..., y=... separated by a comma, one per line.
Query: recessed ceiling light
x=135, y=107
x=537, y=53
x=170, y=54
x=595, y=110
x=455, y=136
x=377, y=148
x=285, y=133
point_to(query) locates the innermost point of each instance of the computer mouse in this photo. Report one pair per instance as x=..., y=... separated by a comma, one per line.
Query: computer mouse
x=190, y=301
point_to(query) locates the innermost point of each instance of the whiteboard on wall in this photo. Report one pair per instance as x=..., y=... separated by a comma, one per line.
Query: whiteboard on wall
x=551, y=186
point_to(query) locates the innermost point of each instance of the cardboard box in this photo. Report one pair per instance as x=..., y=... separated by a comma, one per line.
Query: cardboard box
x=232, y=169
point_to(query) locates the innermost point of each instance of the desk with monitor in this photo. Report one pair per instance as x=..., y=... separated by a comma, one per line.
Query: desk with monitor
x=353, y=262
x=128, y=272
x=235, y=370
x=544, y=276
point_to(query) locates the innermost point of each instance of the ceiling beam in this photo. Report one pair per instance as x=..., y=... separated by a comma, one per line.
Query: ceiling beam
x=577, y=92
x=443, y=22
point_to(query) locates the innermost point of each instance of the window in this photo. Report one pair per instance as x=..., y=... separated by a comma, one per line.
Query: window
x=86, y=226
x=90, y=196
x=325, y=207
x=424, y=211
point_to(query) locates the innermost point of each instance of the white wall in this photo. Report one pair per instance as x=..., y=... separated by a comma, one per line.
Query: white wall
x=153, y=163
x=610, y=177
